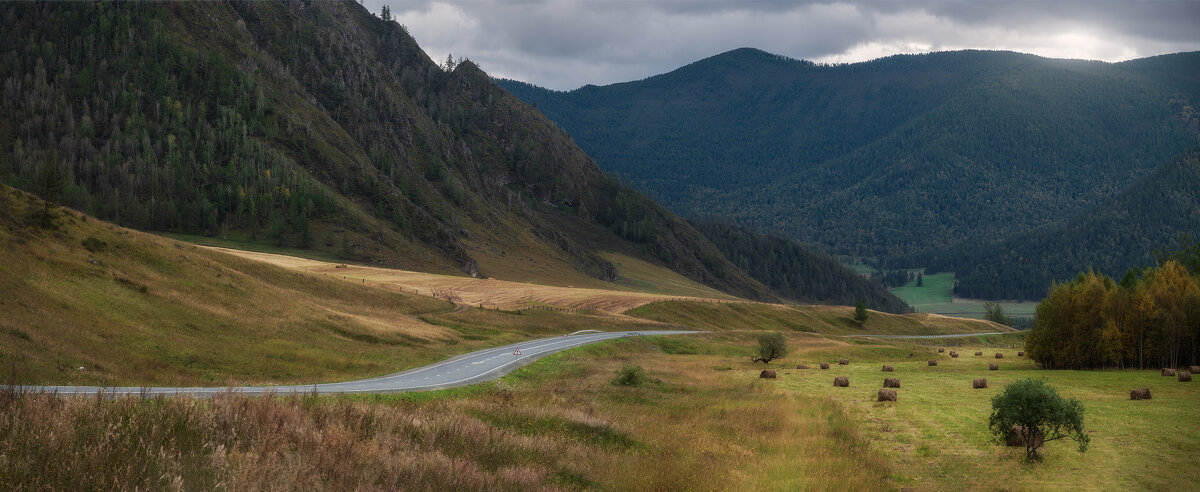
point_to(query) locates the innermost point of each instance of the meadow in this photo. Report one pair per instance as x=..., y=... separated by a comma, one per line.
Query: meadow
x=702, y=419
x=936, y=295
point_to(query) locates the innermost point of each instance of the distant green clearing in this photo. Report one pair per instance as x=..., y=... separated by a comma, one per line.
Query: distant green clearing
x=937, y=288
x=937, y=296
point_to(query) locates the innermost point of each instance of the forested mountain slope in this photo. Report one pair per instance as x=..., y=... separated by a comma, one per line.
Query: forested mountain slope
x=894, y=157
x=315, y=125
x=1120, y=233
x=795, y=271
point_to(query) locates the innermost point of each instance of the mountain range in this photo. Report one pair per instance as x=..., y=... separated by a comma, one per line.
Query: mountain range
x=903, y=158
x=318, y=126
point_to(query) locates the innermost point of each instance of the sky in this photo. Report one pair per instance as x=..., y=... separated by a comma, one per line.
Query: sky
x=564, y=44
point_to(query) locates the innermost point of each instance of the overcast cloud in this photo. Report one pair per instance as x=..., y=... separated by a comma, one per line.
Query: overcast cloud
x=563, y=44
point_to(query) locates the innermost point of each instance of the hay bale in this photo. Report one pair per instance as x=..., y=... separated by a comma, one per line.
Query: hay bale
x=824, y=365
x=954, y=355
x=941, y=350
x=1018, y=436
x=999, y=355
x=843, y=362
x=891, y=383
x=1168, y=371
x=801, y=366
x=888, y=369
x=979, y=353
x=1194, y=369
x=767, y=374
x=1140, y=394
x=1185, y=376
x=993, y=367
x=933, y=362
x=1020, y=354
x=886, y=395
x=979, y=383
x=841, y=381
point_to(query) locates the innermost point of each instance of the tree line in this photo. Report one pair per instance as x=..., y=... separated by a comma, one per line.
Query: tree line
x=1151, y=318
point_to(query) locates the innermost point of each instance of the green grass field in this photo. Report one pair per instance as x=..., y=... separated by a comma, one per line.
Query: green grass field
x=936, y=295
x=936, y=437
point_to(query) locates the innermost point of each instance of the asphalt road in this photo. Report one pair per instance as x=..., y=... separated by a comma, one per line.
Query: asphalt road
x=457, y=371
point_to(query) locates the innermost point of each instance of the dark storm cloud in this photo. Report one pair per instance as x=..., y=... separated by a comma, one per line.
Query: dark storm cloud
x=563, y=44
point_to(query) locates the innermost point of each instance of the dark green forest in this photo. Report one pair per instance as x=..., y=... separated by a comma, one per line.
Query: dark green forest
x=1122, y=232
x=899, y=158
x=312, y=125
x=794, y=271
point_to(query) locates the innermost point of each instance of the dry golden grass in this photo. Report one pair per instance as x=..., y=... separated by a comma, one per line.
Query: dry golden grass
x=489, y=293
x=146, y=310
x=559, y=423
x=837, y=320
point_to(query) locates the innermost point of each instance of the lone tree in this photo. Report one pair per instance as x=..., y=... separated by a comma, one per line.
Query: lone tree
x=860, y=312
x=920, y=279
x=993, y=312
x=1032, y=409
x=771, y=346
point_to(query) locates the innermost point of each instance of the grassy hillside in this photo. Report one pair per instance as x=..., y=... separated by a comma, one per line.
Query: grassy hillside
x=319, y=127
x=86, y=302
x=892, y=157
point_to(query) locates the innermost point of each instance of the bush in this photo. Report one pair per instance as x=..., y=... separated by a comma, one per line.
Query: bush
x=1040, y=412
x=94, y=245
x=771, y=346
x=629, y=375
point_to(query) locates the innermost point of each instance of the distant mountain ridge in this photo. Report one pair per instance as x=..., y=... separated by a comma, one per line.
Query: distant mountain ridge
x=1122, y=232
x=900, y=158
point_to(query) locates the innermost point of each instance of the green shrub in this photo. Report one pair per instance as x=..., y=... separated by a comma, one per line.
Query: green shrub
x=630, y=375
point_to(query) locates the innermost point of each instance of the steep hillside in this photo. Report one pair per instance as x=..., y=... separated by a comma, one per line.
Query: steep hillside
x=897, y=156
x=314, y=125
x=1118, y=234
x=794, y=271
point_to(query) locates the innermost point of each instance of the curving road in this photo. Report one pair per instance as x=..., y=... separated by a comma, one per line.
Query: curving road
x=457, y=371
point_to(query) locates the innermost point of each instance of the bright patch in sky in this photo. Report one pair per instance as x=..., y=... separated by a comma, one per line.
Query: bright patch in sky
x=563, y=44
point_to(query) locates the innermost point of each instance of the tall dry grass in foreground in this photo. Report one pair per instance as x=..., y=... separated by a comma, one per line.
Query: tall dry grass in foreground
x=278, y=443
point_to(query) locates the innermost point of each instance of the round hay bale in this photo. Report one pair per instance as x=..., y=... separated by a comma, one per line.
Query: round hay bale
x=979, y=383
x=1140, y=394
x=941, y=350
x=999, y=355
x=933, y=362
x=841, y=381
x=767, y=374
x=843, y=362
x=954, y=355
x=824, y=365
x=1168, y=371
x=1019, y=436
x=801, y=366
x=1020, y=354
x=1194, y=369
x=1185, y=376
x=886, y=395
x=891, y=383
x=978, y=353
x=993, y=367
x=888, y=369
